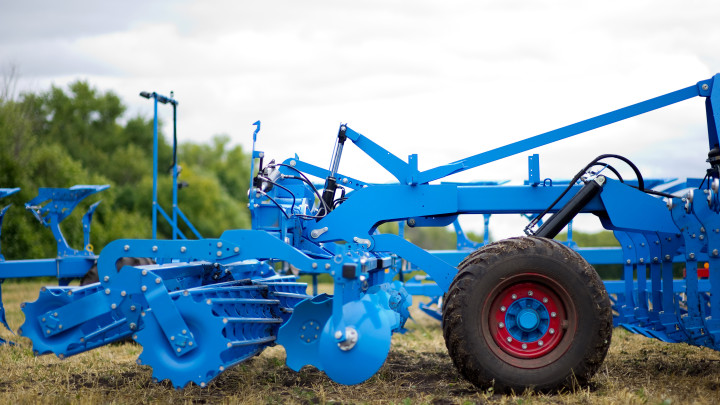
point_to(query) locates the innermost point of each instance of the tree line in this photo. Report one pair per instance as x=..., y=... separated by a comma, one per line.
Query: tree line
x=80, y=135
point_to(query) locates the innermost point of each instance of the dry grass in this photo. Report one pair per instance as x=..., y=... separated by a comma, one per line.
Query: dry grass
x=418, y=370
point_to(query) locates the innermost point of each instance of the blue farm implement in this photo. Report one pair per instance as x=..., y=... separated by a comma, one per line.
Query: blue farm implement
x=521, y=312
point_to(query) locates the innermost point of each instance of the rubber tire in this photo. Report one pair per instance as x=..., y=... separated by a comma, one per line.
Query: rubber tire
x=586, y=341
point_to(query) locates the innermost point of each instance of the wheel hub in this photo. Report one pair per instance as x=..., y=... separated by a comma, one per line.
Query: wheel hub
x=527, y=320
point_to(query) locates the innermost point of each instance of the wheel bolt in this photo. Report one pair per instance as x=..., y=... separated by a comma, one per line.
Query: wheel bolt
x=530, y=293
x=501, y=325
x=502, y=309
x=545, y=300
x=553, y=314
x=513, y=296
x=524, y=346
x=551, y=331
x=509, y=339
x=540, y=343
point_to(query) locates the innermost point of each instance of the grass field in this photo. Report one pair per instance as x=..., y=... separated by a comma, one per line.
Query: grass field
x=418, y=370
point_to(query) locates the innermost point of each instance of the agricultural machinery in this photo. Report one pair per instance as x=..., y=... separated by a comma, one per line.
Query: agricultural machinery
x=522, y=312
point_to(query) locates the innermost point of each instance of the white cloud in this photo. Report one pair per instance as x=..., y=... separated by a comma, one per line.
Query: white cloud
x=442, y=79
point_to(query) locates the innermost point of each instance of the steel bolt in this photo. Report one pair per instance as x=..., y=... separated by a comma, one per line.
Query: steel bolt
x=143, y=288
x=183, y=249
x=184, y=331
x=524, y=346
x=236, y=250
x=545, y=300
x=502, y=309
x=107, y=291
x=501, y=325
x=327, y=266
x=219, y=253
x=133, y=326
x=314, y=265
x=540, y=343
x=715, y=252
x=642, y=260
x=338, y=335
x=551, y=331
x=179, y=350
x=154, y=248
x=158, y=280
x=705, y=87
x=513, y=296
x=144, y=273
x=701, y=237
x=628, y=261
x=692, y=255
x=667, y=257
x=530, y=293
x=106, y=279
x=113, y=305
x=133, y=308
x=553, y=314
x=509, y=339
x=222, y=368
x=126, y=247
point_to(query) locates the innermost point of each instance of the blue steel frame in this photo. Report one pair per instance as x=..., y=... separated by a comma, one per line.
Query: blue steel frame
x=363, y=264
x=156, y=208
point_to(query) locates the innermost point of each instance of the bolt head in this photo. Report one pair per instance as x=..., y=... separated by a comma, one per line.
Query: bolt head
x=540, y=343
x=338, y=335
x=107, y=291
x=126, y=247
x=514, y=296
x=551, y=331
x=154, y=248
x=183, y=249
x=501, y=325
x=106, y=279
x=524, y=346
x=545, y=300
x=705, y=87
x=553, y=314
x=509, y=339
x=530, y=293
x=502, y=309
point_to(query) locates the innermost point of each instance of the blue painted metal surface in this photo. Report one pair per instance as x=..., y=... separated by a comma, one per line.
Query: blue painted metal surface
x=216, y=302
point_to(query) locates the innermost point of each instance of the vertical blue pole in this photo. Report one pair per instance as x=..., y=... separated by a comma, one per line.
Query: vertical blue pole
x=155, y=169
x=175, y=173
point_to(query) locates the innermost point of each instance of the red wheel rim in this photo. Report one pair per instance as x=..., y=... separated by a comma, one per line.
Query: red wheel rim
x=530, y=320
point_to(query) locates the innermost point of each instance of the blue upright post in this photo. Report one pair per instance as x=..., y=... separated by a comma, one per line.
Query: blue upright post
x=155, y=168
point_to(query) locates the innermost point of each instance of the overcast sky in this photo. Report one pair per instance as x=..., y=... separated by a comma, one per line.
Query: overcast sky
x=443, y=79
